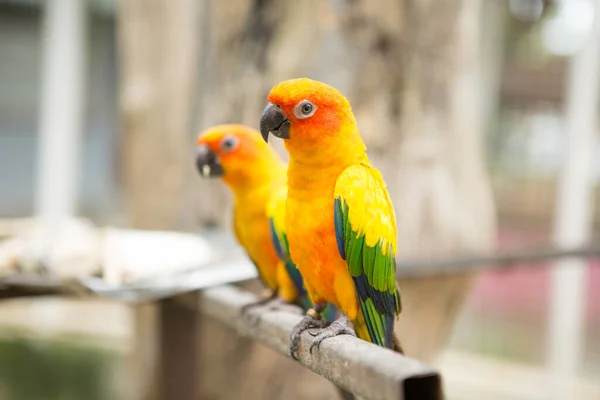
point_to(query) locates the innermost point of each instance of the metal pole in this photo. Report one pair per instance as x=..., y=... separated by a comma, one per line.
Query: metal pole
x=573, y=217
x=61, y=111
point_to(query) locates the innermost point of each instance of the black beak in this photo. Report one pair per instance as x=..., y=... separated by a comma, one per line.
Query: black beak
x=207, y=162
x=274, y=121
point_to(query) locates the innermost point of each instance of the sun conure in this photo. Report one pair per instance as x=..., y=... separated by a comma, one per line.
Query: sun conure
x=340, y=222
x=257, y=178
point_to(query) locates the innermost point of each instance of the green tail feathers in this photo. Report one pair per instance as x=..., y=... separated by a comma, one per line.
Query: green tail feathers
x=330, y=313
x=304, y=302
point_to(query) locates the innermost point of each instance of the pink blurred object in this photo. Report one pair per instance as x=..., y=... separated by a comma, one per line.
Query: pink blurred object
x=525, y=290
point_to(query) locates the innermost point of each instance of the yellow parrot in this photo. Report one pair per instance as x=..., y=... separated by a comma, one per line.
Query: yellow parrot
x=257, y=178
x=340, y=222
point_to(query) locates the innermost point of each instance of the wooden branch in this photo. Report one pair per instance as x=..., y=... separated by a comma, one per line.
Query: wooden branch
x=508, y=259
x=18, y=286
x=360, y=367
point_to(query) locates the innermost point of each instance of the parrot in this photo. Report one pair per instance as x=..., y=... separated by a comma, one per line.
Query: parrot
x=257, y=178
x=339, y=219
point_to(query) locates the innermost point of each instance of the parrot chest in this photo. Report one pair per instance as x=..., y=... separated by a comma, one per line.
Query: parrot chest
x=313, y=247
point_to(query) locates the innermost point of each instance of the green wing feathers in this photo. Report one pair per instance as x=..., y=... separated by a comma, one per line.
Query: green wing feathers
x=365, y=226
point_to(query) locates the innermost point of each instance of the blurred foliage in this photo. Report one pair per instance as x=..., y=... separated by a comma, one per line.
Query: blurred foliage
x=36, y=370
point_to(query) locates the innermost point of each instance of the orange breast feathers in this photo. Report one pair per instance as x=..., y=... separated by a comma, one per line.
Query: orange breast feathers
x=313, y=247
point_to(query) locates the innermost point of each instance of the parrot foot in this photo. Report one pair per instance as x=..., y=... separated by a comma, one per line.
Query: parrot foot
x=268, y=296
x=338, y=327
x=308, y=322
x=275, y=304
x=279, y=304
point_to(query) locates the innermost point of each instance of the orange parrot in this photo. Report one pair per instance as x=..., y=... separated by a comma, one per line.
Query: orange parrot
x=340, y=222
x=257, y=178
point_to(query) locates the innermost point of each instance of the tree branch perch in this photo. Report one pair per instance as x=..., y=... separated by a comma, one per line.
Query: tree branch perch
x=362, y=368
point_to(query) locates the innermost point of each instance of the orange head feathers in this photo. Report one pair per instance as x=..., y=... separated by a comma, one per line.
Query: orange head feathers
x=315, y=119
x=237, y=154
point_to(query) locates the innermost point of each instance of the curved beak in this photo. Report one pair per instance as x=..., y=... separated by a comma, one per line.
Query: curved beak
x=207, y=162
x=274, y=120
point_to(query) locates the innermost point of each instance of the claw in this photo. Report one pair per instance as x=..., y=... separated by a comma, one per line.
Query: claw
x=338, y=327
x=312, y=333
x=273, y=304
x=282, y=305
x=307, y=322
x=269, y=296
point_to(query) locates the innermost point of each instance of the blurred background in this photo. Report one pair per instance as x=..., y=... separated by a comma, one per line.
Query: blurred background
x=481, y=115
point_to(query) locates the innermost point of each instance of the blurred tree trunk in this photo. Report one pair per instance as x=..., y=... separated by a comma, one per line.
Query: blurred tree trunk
x=158, y=43
x=423, y=59
x=411, y=69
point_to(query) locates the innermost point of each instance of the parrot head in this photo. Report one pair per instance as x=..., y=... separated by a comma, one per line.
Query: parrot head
x=235, y=153
x=309, y=115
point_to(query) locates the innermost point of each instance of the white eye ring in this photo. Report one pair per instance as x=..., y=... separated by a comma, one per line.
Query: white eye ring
x=229, y=143
x=304, y=109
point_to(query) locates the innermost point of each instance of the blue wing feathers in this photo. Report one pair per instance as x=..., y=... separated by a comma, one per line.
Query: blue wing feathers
x=275, y=240
x=339, y=227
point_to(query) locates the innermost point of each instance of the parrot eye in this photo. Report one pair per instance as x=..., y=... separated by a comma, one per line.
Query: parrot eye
x=229, y=143
x=304, y=109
